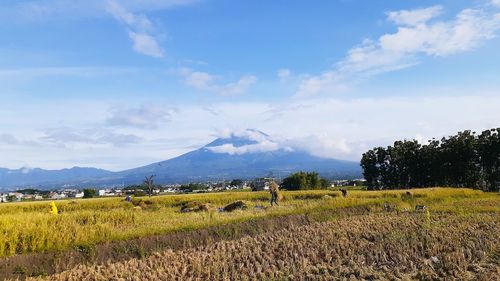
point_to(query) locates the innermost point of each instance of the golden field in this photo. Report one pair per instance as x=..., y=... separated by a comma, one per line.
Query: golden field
x=344, y=238
x=30, y=227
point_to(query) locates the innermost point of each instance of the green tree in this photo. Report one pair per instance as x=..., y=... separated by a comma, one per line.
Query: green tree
x=430, y=167
x=89, y=193
x=193, y=186
x=304, y=180
x=236, y=182
x=488, y=149
x=371, y=171
x=460, y=160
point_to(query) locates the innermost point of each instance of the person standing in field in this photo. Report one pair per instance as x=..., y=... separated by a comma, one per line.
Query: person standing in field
x=274, y=189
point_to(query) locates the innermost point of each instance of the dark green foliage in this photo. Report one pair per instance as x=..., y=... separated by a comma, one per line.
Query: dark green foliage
x=139, y=193
x=488, y=150
x=236, y=182
x=89, y=193
x=462, y=160
x=193, y=186
x=32, y=191
x=303, y=180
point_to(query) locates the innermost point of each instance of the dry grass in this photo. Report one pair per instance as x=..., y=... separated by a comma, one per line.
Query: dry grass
x=381, y=246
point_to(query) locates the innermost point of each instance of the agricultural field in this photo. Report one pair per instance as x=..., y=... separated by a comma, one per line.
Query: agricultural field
x=313, y=235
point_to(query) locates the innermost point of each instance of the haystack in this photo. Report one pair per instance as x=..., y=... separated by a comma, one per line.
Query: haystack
x=195, y=207
x=237, y=205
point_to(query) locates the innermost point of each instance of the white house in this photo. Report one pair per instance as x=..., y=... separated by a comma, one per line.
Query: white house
x=18, y=195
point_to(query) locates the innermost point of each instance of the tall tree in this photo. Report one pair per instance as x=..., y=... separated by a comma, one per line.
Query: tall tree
x=460, y=160
x=149, y=183
x=371, y=170
x=488, y=148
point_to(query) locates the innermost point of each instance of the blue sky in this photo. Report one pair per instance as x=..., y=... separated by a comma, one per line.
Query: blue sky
x=118, y=84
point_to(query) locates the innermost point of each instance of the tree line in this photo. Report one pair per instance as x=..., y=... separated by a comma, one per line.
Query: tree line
x=466, y=159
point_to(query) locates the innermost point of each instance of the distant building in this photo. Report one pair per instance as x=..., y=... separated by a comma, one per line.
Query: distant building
x=261, y=184
x=57, y=196
x=19, y=196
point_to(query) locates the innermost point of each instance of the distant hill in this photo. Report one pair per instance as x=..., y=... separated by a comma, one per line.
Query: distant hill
x=248, y=155
x=36, y=177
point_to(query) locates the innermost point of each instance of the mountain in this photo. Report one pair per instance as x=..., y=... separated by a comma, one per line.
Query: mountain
x=245, y=155
x=39, y=178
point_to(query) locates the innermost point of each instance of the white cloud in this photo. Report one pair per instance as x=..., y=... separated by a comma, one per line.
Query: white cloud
x=146, y=44
x=140, y=22
x=204, y=81
x=140, y=29
x=414, y=17
x=416, y=36
x=321, y=145
x=247, y=133
x=147, y=116
x=466, y=32
x=264, y=146
x=63, y=136
x=330, y=80
x=496, y=2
